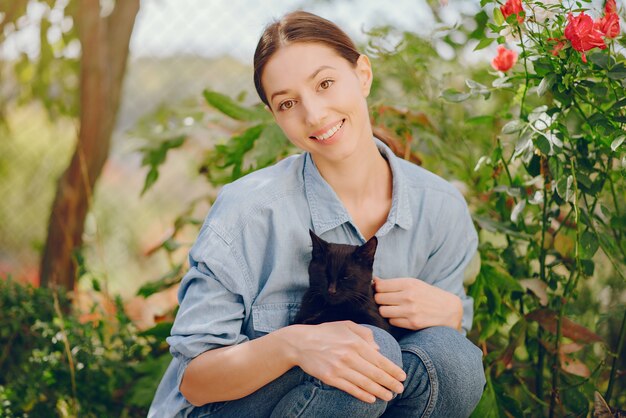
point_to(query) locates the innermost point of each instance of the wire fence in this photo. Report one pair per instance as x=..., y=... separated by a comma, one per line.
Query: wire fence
x=177, y=50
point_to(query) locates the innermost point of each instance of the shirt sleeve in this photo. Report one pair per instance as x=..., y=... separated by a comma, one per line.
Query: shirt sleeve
x=212, y=301
x=454, y=247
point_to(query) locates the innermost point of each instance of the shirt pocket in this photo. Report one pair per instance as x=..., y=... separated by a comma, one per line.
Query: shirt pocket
x=269, y=317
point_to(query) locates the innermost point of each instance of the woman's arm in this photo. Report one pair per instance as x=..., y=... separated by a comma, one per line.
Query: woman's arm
x=341, y=354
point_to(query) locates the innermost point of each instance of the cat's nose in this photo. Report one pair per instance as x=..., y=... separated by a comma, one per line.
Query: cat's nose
x=332, y=289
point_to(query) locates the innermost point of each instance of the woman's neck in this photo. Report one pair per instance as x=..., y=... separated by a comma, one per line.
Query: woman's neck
x=361, y=178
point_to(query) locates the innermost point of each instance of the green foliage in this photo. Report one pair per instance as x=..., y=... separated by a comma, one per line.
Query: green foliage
x=554, y=204
x=55, y=363
x=540, y=150
x=51, y=75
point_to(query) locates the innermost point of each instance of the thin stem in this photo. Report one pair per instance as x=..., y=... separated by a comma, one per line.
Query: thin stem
x=620, y=346
x=612, y=187
x=544, y=222
x=568, y=288
x=521, y=42
x=554, y=395
x=508, y=174
x=541, y=358
x=68, y=351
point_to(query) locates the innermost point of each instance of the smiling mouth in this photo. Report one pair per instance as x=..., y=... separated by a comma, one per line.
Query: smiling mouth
x=328, y=134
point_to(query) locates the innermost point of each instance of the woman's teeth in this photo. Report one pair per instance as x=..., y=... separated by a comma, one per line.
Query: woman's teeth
x=330, y=132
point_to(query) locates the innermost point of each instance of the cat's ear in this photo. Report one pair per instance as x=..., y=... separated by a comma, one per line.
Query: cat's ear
x=319, y=245
x=367, y=251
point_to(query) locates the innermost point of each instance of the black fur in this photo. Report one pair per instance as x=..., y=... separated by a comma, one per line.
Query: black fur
x=340, y=286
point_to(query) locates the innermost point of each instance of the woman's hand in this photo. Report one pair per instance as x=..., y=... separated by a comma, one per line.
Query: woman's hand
x=413, y=304
x=344, y=355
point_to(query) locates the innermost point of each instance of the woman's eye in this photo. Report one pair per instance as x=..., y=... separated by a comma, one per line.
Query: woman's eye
x=286, y=105
x=326, y=84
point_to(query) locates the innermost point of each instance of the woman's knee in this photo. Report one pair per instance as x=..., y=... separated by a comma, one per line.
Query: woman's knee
x=455, y=363
x=389, y=347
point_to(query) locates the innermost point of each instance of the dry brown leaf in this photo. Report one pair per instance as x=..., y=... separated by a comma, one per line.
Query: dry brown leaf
x=548, y=318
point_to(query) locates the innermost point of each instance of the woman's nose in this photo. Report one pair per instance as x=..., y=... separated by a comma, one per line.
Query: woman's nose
x=315, y=111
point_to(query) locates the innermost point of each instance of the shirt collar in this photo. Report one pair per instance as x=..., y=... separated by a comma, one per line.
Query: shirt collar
x=327, y=211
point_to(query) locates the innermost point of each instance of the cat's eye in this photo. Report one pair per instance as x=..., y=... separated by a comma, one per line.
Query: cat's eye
x=345, y=278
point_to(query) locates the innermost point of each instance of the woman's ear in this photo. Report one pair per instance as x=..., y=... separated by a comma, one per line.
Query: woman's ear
x=365, y=74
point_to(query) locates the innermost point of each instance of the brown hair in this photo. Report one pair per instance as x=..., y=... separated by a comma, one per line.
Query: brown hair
x=302, y=26
x=299, y=26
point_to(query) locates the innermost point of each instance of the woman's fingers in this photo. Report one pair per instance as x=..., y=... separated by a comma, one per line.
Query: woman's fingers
x=353, y=390
x=363, y=332
x=391, y=298
x=390, y=285
x=345, y=355
x=367, y=384
x=382, y=370
x=392, y=311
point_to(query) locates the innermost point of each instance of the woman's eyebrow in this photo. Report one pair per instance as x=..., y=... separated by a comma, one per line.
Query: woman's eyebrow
x=311, y=77
x=320, y=69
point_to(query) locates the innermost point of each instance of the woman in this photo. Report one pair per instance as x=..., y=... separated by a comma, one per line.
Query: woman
x=235, y=354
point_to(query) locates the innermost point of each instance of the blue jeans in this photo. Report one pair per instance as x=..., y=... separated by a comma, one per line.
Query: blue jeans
x=445, y=378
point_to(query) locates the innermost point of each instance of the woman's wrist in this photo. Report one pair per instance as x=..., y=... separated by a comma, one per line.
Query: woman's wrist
x=456, y=316
x=289, y=337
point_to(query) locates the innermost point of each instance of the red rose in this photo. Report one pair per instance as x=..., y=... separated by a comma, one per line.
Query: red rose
x=504, y=60
x=610, y=7
x=583, y=34
x=609, y=23
x=512, y=7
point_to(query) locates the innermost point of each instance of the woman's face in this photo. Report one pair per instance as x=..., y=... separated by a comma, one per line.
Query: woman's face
x=319, y=99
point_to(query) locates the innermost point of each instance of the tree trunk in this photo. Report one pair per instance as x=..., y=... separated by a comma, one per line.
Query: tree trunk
x=104, y=42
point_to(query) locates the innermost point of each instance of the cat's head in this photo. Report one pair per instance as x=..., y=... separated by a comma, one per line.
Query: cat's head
x=341, y=272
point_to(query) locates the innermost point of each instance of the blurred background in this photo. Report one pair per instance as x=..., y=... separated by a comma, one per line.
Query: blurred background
x=120, y=120
x=177, y=49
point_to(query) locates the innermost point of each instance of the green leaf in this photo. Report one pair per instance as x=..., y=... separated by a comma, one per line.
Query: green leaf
x=144, y=388
x=484, y=43
x=162, y=283
x=600, y=59
x=576, y=401
x=619, y=104
x=455, y=96
x=617, y=142
x=609, y=245
x=498, y=17
x=546, y=84
x=477, y=88
x=564, y=187
x=588, y=267
x=499, y=279
x=513, y=126
x=230, y=108
x=483, y=119
x=618, y=72
x=161, y=331
x=154, y=157
x=543, y=144
x=488, y=406
x=588, y=244
x=151, y=178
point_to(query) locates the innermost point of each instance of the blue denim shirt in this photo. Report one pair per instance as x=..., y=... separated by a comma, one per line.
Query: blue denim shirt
x=248, y=267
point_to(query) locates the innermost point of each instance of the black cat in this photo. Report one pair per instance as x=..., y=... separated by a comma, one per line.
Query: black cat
x=340, y=278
